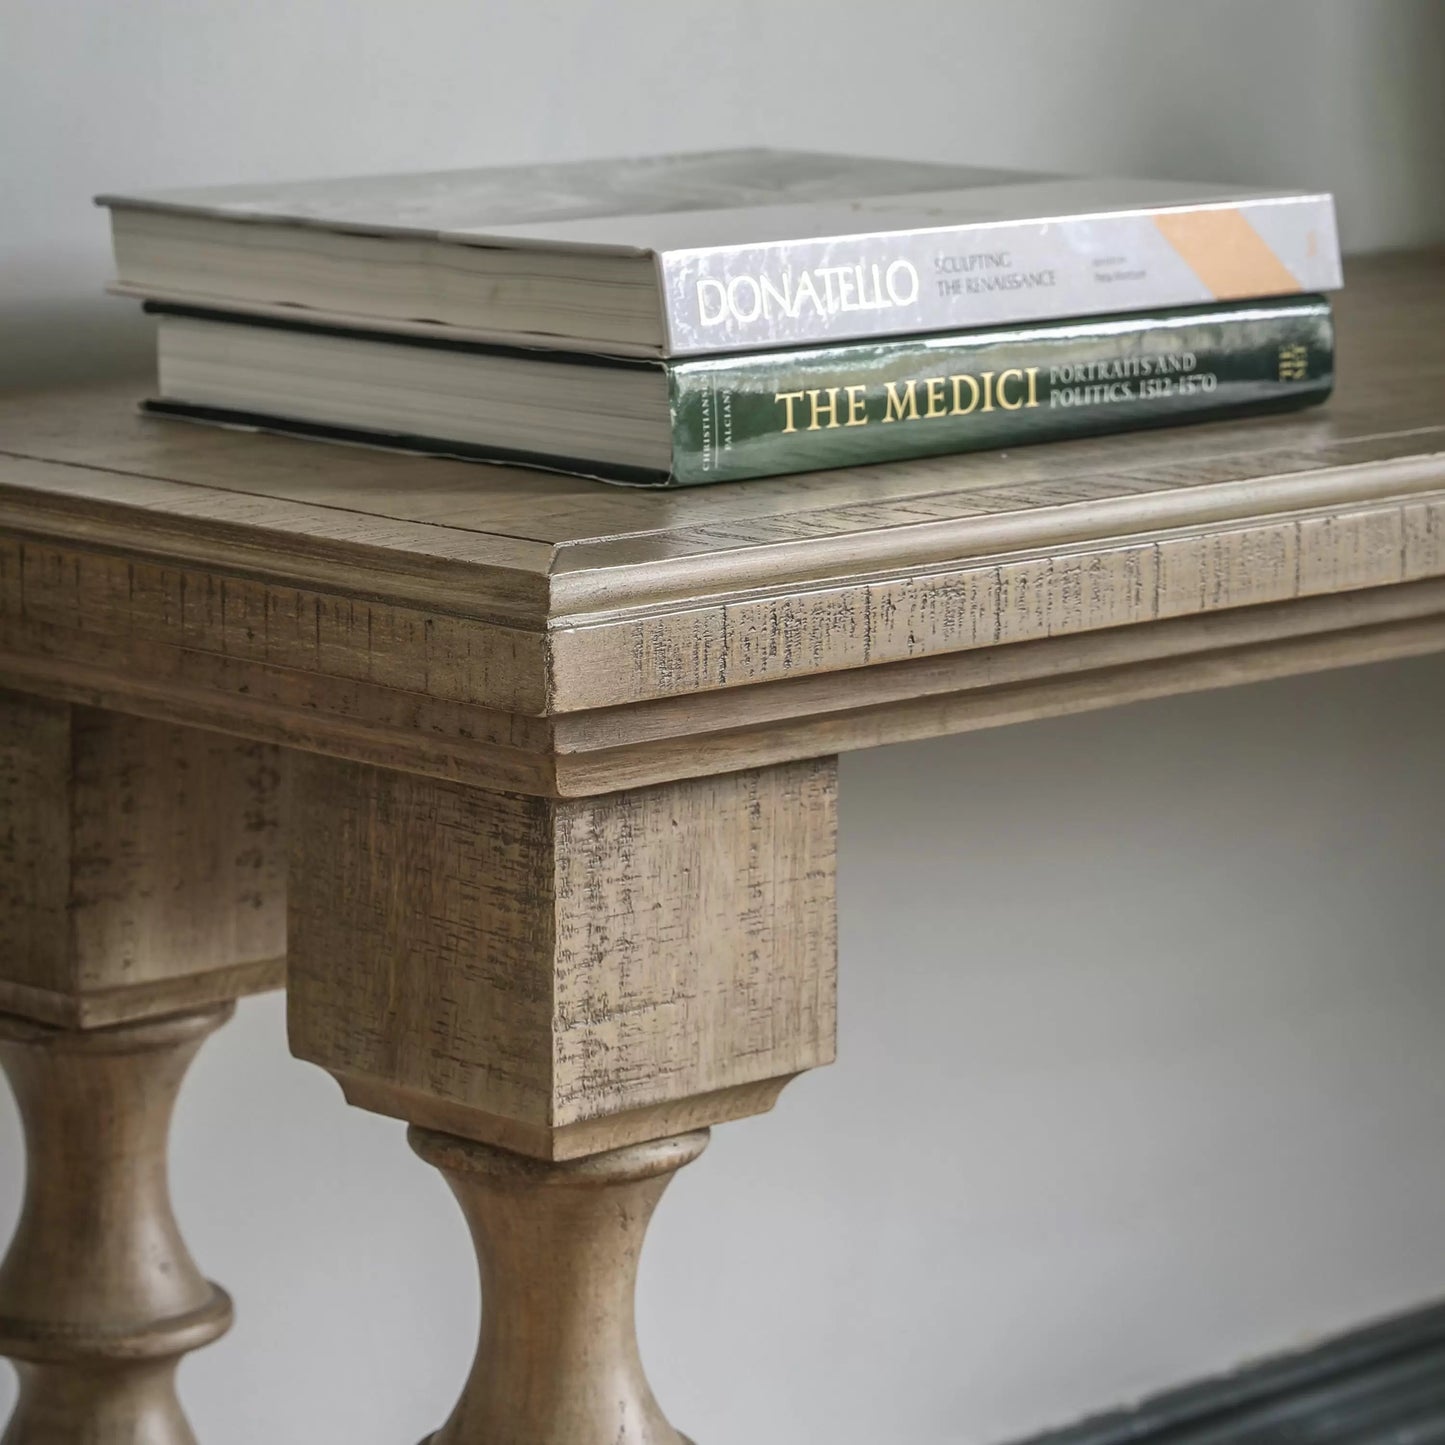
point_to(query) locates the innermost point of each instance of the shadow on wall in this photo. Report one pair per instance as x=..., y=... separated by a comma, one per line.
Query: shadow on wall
x=73, y=338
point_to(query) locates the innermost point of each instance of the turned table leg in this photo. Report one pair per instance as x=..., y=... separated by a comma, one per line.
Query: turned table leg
x=558, y=1244
x=561, y=996
x=141, y=892
x=99, y=1297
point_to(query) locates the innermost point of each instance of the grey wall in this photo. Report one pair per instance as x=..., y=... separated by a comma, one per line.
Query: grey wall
x=1140, y=1067
x=96, y=96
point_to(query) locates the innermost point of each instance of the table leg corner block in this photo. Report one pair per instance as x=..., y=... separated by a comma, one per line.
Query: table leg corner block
x=564, y=976
x=562, y=995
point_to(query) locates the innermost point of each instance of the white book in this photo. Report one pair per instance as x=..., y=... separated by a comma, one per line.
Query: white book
x=721, y=251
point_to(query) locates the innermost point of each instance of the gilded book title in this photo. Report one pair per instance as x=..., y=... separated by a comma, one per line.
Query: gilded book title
x=1082, y=383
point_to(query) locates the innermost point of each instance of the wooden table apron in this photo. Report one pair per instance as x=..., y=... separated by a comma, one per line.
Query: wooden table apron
x=533, y=783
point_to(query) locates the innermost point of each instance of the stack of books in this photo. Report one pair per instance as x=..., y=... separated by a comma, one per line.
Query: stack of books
x=705, y=318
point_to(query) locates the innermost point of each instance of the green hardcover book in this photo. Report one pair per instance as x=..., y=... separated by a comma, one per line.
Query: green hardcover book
x=726, y=418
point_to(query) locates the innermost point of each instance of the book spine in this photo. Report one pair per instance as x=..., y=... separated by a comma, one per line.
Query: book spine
x=839, y=406
x=994, y=272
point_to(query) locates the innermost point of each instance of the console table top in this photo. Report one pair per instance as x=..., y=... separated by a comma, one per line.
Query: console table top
x=540, y=633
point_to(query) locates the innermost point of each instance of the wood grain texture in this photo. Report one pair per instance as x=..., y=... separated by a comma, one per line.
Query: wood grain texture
x=142, y=865
x=557, y=1361
x=99, y=1297
x=925, y=611
x=559, y=976
x=991, y=687
x=562, y=875
x=470, y=622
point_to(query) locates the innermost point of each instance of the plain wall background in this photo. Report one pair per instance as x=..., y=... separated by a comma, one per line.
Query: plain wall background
x=1140, y=1062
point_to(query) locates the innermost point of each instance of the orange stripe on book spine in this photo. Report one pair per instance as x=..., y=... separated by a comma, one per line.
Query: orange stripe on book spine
x=1226, y=253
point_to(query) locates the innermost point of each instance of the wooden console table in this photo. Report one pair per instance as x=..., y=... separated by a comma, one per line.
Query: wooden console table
x=531, y=783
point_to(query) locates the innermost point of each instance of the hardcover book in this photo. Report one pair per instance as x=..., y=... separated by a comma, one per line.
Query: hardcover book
x=728, y=251
x=712, y=419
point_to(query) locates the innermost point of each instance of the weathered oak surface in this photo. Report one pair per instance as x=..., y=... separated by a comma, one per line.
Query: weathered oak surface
x=99, y=1296
x=558, y=1244
x=142, y=890
x=564, y=976
x=142, y=865
x=561, y=877
x=544, y=635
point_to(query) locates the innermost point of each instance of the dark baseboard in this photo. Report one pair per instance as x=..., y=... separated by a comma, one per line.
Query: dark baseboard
x=1380, y=1385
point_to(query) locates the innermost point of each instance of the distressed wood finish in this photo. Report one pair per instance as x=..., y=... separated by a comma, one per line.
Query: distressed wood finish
x=560, y=977
x=142, y=890
x=142, y=865
x=562, y=870
x=582, y=985
x=534, y=634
